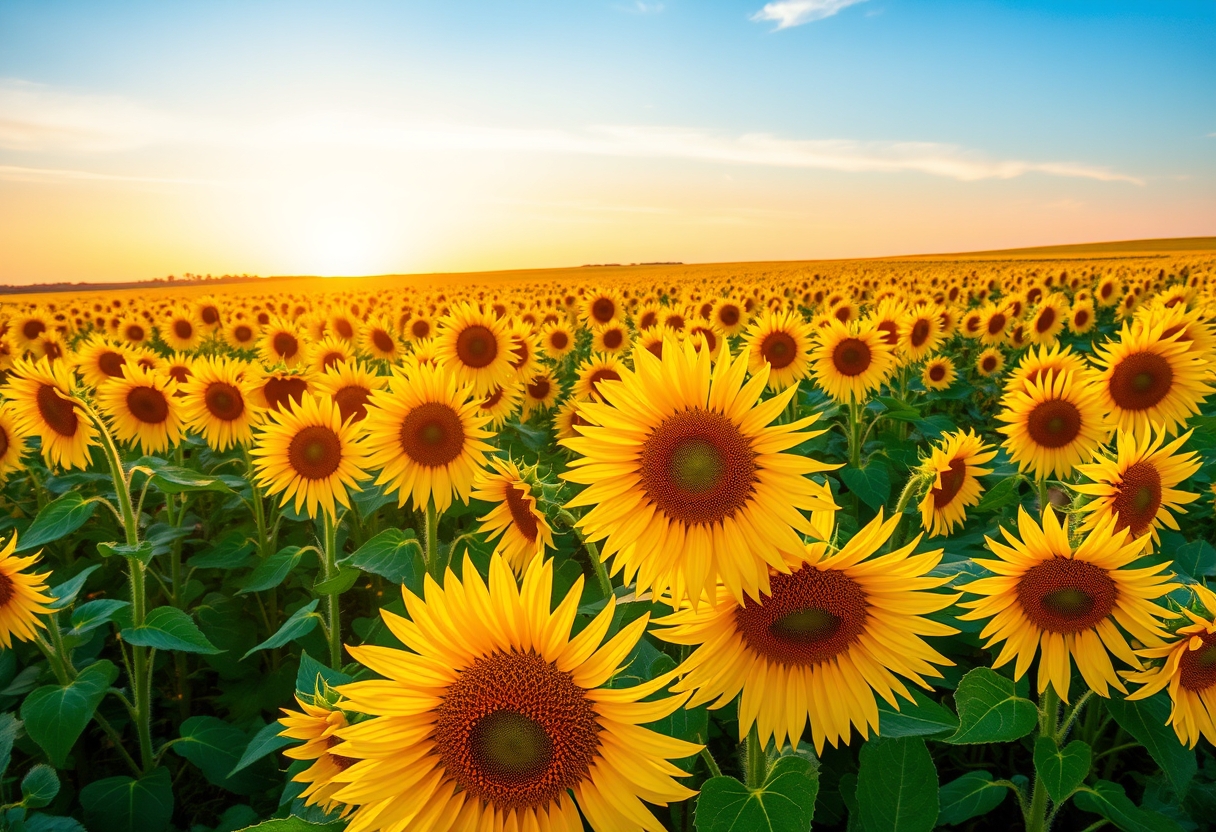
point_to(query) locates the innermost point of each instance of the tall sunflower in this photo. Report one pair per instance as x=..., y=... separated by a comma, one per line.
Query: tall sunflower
x=425, y=435
x=143, y=408
x=938, y=373
x=1138, y=486
x=218, y=402
x=820, y=644
x=45, y=404
x=952, y=471
x=496, y=719
x=475, y=348
x=1054, y=424
x=516, y=521
x=23, y=596
x=783, y=341
x=686, y=476
x=850, y=363
x=1068, y=601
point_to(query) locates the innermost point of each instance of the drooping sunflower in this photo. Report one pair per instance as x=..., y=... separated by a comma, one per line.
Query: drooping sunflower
x=425, y=435
x=143, y=408
x=540, y=394
x=501, y=403
x=850, y=363
x=783, y=341
x=1081, y=601
x=938, y=373
x=317, y=724
x=475, y=348
x=827, y=636
x=306, y=453
x=1146, y=379
x=686, y=478
x=990, y=362
x=44, y=404
x=951, y=472
x=497, y=719
x=218, y=402
x=515, y=521
x=1054, y=423
x=280, y=343
x=1138, y=486
x=594, y=372
x=23, y=596
x=12, y=442
x=350, y=385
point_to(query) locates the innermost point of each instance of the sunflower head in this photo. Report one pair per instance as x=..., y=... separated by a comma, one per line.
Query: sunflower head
x=46, y=404
x=950, y=475
x=850, y=363
x=23, y=596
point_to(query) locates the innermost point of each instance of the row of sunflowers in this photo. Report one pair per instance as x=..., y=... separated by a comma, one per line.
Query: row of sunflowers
x=884, y=546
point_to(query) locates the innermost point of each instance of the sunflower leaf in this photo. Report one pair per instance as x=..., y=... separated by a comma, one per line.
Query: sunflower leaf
x=970, y=796
x=1145, y=720
x=66, y=592
x=272, y=571
x=1061, y=769
x=871, y=483
x=56, y=715
x=215, y=747
x=120, y=804
x=1005, y=492
x=58, y=519
x=168, y=628
x=389, y=554
x=920, y=718
x=39, y=787
x=990, y=709
x=266, y=741
x=897, y=786
x=1111, y=802
x=302, y=622
x=785, y=803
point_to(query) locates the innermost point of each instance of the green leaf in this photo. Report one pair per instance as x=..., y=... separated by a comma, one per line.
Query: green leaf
x=93, y=614
x=898, y=409
x=312, y=673
x=897, y=786
x=1063, y=769
x=921, y=718
x=215, y=747
x=1111, y=802
x=989, y=709
x=10, y=727
x=120, y=804
x=272, y=571
x=968, y=797
x=231, y=551
x=339, y=583
x=293, y=824
x=1145, y=720
x=170, y=479
x=52, y=823
x=39, y=787
x=785, y=803
x=1004, y=493
x=57, y=519
x=871, y=483
x=264, y=742
x=389, y=554
x=300, y=623
x=142, y=551
x=55, y=715
x=1197, y=559
x=168, y=628
x=66, y=592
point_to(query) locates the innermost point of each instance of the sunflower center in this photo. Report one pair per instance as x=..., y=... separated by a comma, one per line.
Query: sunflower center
x=1196, y=669
x=182, y=329
x=648, y=320
x=779, y=350
x=729, y=315
x=352, y=401
x=539, y=388
x=285, y=344
x=135, y=332
x=148, y=405
x=559, y=340
x=1054, y=424
x=342, y=763
x=890, y=332
x=315, y=452
x=432, y=434
x=521, y=512
x=344, y=328
x=937, y=372
x=952, y=483
x=698, y=467
x=279, y=391
x=851, y=357
x=224, y=401
x=8, y=588
x=988, y=363
x=179, y=374
x=56, y=411
x=515, y=731
x=996, y=324
x=811, y=616
x=111, y=363
x=1141, y=380
x=1139, y=497
x=1045, y=321
x=420, y=329
x=603, y=310
x=382, y=341
x=920, y=332
x=602, y=374
x=476, y=346
x=211, y=315
x=1063, y=595
x=613, y=339
x=242, y=333
x=32, y=329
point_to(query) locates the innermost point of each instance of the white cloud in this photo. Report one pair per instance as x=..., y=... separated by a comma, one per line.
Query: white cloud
x=789, y=13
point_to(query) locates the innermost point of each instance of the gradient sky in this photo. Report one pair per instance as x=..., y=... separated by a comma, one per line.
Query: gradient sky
x=145, y=139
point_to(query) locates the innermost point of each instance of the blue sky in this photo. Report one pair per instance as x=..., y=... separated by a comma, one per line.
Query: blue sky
x=139, y=139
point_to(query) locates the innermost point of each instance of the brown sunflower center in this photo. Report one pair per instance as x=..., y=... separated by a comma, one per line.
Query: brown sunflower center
x=1045, y=321
x=432, y=434
x=344, y=328
x=135, y=332
x=8, y=588
x=988, y=363
x=1141, y=380
x=851, y=357
x=521, y=512
x=352, y=401
x=183, y=329
x=539, y=388
x=3, y=442
x=242, y=333
x=1138, y=498
x=996, y=324
x=602, y=374
x=420, y=329
x=779, y=349
x=728, y=315
x=603, y=310
x=56, y=411
x=315, y=452
x=148, y=405
x=476, y=346
x=382, y=341
x=285, y=344
x=952, y=483
x=558, y=340
x=1054, y=423
x=937, y=372
x=516, y=732
x=1063, y=595
x=698, y=467
x=890, y=332
x=613, y=338
x=280, y=391
x=920, y=332
x=811, y=616
x=520, y=353
x=111, y=363
x=342, y=763
x=1196, y=669
x=180, y=374
x=211, y=315
x=224, y=401
x=648, y=320
x=32, y=329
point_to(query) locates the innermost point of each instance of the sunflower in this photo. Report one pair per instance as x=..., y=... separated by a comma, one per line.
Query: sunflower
x=1138, y=487
x=557, y=341
x=990, y=362
x=418, y=328
x=178, y=367
x=134, y=330
x=525, y=351
x=218, y=402
x=1081, y=317
x=1109, y=291
x=783, y=341
x=652, y=340
x=540, y=394
x=502, y=403
x=27, y=328
x=44, y=404
x=649, y=316
x=601, y=307
x=143, y=408
x=278, y=389
x=921, y=332
x=1068, y=601
x=1048, y=320
x=994, y=322
x=938, y=373
x=23, y=596
x=611, y=338
x=820, y=644
x=207, y=312
x=728, y=317
x=594, y=372
x=475, y=348
x=12, y=442
x=306, y=453
x=851, y=363
x=1054, y=423
x=525, y=533
x=686, y=478
x=350, y=385
x=888, y=319
x=181, y=330
x=952, y=471
x=241, y=334
x=280, y=344
x=1146, y=379
x=496, y=719
x=426, y=436
x=343, y=325
x=317, y=724
x=1038, y=363
x=97, y=360
x=378, y=338
x=327, y=352
x=972, y=324
x=567, y=421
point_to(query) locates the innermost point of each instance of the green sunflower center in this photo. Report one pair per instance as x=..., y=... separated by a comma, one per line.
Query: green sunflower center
x=511, y=746
x=697, y=465
x=806, y=625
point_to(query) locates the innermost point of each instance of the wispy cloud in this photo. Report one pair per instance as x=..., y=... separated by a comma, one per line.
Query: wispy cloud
x=15, y=173
x=640, y=7
x=789, y=13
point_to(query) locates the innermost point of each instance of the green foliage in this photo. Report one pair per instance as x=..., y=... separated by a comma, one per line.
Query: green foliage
x=168, y=628
x=990, y=709
x=970, y=796
x=784, y=803
x=1061, y=769
x=55, y=715
x=897, y=786
x=59, y=519
x=123, y=804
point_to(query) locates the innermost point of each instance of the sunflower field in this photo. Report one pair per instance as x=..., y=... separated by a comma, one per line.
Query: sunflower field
x=873, y=546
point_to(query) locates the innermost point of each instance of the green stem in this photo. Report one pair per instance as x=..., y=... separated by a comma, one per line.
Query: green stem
x=757, y=760
x=329, y=528
x=1070, y=716
x=854, y=435
x=1049, y=707
x=432, y=541
x=601, y=572
x=710, y=762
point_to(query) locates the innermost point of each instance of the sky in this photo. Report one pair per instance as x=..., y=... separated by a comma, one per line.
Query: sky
x=139, y=140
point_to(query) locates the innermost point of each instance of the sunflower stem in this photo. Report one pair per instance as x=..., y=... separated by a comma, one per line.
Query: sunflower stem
x=1049, y=711
x=601, y=573
x=329, y=531
x=757, y=760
